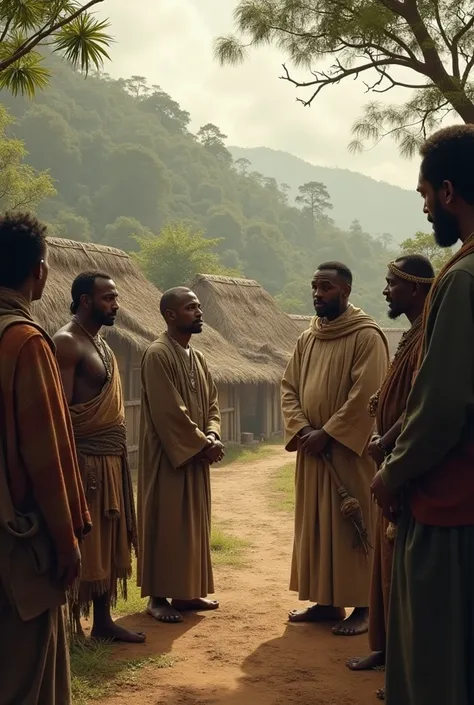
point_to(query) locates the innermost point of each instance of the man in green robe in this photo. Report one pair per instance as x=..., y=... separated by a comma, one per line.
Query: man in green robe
x=430, y=649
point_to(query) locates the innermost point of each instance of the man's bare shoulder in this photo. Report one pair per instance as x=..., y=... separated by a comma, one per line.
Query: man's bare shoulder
x=69, y=346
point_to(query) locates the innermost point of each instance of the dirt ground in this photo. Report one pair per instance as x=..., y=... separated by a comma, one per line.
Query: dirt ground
x=246, y=653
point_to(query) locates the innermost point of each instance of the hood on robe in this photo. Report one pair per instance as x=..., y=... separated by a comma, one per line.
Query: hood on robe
x=351, y=321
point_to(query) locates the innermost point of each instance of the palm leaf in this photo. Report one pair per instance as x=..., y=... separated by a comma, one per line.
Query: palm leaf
x=22, y=15
x=83, y=42
x=28, y=15
x=25, y=76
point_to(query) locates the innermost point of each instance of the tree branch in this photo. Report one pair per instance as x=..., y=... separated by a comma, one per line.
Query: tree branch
x=398, y=8
x=374, y=88
x=5, y=29
x=464, y=30
x=35, y=39
x=418, y=65
x=455, y=51
x=323, y=79
x=442, y=31
x=467, y=70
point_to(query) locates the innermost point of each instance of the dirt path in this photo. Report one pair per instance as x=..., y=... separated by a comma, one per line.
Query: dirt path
x=246, y=653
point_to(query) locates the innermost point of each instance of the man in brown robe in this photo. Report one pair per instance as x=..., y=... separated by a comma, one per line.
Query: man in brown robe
x=92, y=384
x=43, y=512
x=408, y=279
x=338, y=364
x=180, y=428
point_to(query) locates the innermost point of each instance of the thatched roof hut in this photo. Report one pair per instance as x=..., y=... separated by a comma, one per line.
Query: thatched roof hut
x=139, y=321
x=303, y=322
x=248, y=317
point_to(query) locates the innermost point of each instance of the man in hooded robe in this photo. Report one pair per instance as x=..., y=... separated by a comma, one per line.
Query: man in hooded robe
x=338, y=364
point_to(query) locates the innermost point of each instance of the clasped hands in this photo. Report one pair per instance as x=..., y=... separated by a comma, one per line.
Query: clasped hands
x=214, y=451
x=313, y=440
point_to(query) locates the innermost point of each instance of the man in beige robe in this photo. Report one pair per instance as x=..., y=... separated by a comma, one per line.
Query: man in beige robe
x=338, y=364
x=179, y=439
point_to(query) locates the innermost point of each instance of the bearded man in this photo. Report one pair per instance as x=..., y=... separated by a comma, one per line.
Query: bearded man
x=430, y=647
x=92, y=384
x=338, y=364
x=179, y=440
x=408, y=282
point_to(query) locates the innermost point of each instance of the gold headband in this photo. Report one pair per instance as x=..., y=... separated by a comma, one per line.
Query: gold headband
x=409, y=277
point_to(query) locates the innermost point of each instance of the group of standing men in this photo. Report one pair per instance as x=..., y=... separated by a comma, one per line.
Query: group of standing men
x=67, y=509
x=418, y=462
x=67, y=512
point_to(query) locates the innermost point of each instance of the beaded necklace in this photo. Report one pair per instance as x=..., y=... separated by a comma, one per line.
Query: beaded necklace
x=101, y=347
x=406, y=337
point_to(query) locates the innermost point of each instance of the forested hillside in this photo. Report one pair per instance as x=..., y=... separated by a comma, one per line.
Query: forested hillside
x=380, y=207
x=126, y=165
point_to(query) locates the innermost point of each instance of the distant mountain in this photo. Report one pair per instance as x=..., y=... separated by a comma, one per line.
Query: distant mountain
x=378, y=206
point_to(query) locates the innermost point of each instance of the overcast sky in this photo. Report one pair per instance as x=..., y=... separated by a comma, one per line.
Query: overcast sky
x=170, y=42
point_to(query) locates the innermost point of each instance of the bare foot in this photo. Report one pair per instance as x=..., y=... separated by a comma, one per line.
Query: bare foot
x=112, y=632
x=357, y=623
x=160, y=609
x=380, y=694
x=79, y=634
x=317, y=613
x=375, y=660
x=198, y=605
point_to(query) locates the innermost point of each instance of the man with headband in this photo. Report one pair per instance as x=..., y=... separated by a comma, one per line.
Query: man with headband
x=408, y=282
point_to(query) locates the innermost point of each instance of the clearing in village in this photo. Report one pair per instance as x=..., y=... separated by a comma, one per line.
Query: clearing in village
x=245, y=653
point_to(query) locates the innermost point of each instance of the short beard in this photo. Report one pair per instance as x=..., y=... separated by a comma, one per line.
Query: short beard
x=101, y=318
x=332, y=310
x=446, y=228
x=394, y=314
x=192, y=329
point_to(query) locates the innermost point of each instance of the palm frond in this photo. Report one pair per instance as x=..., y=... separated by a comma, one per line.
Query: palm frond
x=83, y=42
x=25, y=76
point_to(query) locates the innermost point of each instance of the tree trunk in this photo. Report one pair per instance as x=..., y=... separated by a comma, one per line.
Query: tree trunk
x=448, y=86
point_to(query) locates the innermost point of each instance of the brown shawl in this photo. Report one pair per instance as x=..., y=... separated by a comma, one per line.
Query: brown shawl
x=393, y=394
x=99, y=429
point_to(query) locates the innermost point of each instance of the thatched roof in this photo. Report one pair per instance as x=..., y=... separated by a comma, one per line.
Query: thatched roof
x=249, y=318
x=303, y=322
x=139, y=321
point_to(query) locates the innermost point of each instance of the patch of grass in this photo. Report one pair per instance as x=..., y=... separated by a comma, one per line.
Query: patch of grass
x=135, y=602
x=235, y=452
x=95, y=673
x=227, y=549
x=284, y=486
